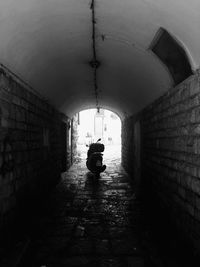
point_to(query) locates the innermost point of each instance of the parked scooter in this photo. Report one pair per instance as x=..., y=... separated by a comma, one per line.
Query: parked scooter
x=94, y=161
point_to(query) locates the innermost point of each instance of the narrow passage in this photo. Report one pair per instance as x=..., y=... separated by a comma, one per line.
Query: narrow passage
x=88, y=222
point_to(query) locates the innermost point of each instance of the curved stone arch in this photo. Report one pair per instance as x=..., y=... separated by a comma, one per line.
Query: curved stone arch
x=189, y=57
x=109, y=120
x=174, y=54
x=102, y=107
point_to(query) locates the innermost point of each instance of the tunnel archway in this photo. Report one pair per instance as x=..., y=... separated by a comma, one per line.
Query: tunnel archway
x=93, y=124
x=50, y=45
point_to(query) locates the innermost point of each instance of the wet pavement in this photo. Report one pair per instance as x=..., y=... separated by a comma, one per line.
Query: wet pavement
x=90, y=222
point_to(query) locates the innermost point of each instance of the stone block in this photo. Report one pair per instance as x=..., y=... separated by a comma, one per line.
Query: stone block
x=4, y=82
x=24, y=104
x=186, y=180
x=138, y=262
x=8, y=176
x=194, y=86
x=193, y=170
x=190, y=197
x=190, y=209
x=21, y=126
x=4, y=108
x=197, y=214
x=197, y=115
x=194, y=102
x=4, y=123
x=12, y=114
x=193, y=116
x=6, y=190
x=14, y=86
x=21, y=92
x=182, y=192
x=196, y=185
x=1, y=180
x=22, y=113
x=19, y=146
x=19, y=184
x=5, y=96
x=197, y=146
x=8, y=204
x=184, y=92
x=16, y=100
x=197, y=202
x=196, y=129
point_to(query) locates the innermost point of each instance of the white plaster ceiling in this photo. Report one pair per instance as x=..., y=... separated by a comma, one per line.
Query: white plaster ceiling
x=49, y=44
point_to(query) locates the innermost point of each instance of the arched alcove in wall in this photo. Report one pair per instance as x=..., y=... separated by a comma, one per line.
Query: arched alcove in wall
x=173, y=55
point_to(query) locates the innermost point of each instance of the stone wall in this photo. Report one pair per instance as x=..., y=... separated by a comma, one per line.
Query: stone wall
x=170, y=132
x=127, y=145
x=74, y=136
x=131, y=148
x=32, y=136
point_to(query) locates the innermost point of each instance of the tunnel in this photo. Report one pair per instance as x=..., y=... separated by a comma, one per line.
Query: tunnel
x=140, y=60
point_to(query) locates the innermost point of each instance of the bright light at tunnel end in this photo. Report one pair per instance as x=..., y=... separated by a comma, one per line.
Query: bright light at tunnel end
x=95, y=124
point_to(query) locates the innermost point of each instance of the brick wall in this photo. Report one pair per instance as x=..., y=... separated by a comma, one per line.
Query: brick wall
x=131, y=149
x=127, y=145
x=32, y=136
x=74, y=136
x=171, y=153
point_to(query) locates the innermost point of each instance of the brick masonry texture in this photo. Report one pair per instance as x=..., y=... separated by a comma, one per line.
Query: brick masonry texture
x=127, y=145
x=31, y=137
x=170, y=133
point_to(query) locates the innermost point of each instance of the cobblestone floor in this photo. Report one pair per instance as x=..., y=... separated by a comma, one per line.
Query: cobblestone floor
x=89, y=222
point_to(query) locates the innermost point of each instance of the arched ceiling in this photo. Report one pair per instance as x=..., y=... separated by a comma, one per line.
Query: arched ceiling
x=49, y=44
